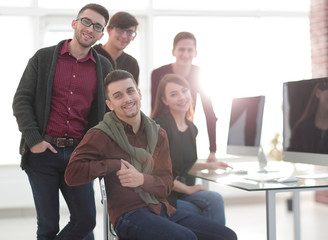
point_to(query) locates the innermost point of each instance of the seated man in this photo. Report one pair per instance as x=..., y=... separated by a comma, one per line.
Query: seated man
x=131, y=151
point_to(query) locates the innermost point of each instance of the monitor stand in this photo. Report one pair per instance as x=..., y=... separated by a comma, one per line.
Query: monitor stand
x=262, y=161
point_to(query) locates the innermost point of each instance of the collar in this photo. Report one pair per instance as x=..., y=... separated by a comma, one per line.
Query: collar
x=129, y=127
x=64, y=50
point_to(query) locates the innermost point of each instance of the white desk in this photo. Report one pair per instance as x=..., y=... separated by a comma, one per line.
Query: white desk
x=271, y=188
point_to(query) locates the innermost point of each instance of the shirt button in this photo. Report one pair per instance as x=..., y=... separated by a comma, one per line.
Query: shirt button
x=67, y=121
x=69, y=109
x=71, y=92
x=74, y=76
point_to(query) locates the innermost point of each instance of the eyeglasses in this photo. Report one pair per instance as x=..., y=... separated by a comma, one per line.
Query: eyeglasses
x=129, y=33
x=87, y=22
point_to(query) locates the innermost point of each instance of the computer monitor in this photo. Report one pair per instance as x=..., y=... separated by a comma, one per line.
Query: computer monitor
x=245, y=127
x=305, y=125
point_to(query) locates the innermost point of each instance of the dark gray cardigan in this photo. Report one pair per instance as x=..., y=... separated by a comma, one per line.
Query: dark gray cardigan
x=32, y=99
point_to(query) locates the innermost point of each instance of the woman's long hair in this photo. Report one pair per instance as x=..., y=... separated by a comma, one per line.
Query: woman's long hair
x=160, y=107
x=313, y=103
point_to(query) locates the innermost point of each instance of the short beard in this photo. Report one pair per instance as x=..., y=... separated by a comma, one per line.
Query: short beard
x=79, y=37
x=133, y=114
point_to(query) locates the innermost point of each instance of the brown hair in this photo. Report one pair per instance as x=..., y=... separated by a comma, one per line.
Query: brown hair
x=115, y=76
x=160, y=107
x=97, y=8
x=123, y=20
x=183, y=35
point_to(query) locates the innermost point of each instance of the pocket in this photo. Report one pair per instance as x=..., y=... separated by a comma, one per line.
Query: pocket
x=34, y=160
x=36, y=155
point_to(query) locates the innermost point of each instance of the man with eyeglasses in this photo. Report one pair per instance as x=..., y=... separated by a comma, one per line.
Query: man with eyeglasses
x=59, y=97
x=121, y=31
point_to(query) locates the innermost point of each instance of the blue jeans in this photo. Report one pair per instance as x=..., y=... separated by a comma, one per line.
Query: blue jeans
x=142, y=224
x=206, y=203
x=46, y=176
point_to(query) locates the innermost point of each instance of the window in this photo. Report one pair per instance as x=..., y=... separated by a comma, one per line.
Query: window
x=240, y=56
x=245, y=48
x=110, y=5
x=15, y=53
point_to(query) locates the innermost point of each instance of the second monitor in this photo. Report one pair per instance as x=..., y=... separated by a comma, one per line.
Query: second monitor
x=245, y=127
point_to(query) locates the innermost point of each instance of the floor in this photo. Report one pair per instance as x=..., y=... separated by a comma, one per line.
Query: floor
x=249, y=220
x=246, y=216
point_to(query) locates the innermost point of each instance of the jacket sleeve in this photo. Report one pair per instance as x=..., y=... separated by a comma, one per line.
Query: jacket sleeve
x=23, y=104
x=91, y=159
x=160, y=182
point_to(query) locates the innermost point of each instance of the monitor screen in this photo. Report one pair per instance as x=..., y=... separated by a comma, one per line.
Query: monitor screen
x=305, y=125
x=244, y=135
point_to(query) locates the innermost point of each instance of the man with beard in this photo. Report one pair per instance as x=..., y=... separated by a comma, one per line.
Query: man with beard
x=132, y=153
x=121, y=31
x=59, y=97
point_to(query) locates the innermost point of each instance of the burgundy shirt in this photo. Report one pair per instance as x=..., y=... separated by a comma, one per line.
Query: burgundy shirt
x=195, y=88
x=98, y=155
x=74, y=88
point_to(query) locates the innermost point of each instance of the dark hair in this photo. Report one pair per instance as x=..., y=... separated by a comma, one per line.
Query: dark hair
x=313, y=103
x=123, y=20
x=97, y=8
x=115, y=76
x=183, y=35
x=160, y=107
